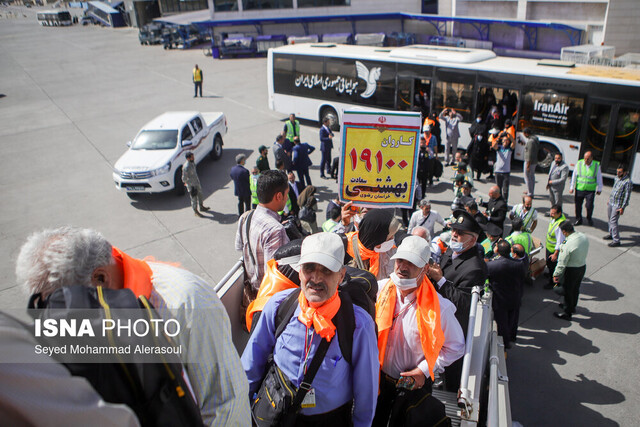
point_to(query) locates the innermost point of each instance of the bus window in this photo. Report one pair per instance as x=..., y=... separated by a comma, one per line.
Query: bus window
x=309, y=78
x=626, y=133
x=283, y=74
x=459, y=96
x=492, y=100
x=553, y=114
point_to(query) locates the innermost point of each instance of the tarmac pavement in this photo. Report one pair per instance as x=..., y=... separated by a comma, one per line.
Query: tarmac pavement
x=72, y=97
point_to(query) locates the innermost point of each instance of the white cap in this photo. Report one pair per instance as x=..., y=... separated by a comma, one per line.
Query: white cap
x=415, y=250
x=325, y=249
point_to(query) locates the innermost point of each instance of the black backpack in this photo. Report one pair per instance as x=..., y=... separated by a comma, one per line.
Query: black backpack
x=156, y=392
x=356, y=288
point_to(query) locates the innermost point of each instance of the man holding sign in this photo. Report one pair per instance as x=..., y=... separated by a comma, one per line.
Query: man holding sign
x=379, y=163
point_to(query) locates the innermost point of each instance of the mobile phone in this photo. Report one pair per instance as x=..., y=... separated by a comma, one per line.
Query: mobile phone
x=406, y=383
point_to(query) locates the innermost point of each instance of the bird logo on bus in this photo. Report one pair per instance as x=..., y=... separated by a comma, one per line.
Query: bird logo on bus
x=371, y=77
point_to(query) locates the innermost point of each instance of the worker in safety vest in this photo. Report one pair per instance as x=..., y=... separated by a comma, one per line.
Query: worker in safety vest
x=553, y=242
x=197, y=81
x=292, y=127
x=587, y=181
x=253, y=185
x=334, y=223
x=278, y=276
x=493, y=233
x=521, y=236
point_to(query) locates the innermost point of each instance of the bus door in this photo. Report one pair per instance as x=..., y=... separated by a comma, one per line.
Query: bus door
x=413, y=94
x=612, y=135
x=496, y=105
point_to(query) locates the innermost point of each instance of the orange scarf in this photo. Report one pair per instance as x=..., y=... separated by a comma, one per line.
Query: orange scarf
x=136, y=273
x=365, y=254
x=274, y=281
x=428, y=316
x=321, y=316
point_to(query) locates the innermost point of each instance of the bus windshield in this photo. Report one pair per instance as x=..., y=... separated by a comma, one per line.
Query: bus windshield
x=155, y=140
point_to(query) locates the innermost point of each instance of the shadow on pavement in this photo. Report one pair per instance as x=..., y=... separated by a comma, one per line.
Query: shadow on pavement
x=555, y=401
x=214, y=176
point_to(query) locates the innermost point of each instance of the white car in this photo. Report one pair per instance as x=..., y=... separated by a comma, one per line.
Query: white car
x=153, y=163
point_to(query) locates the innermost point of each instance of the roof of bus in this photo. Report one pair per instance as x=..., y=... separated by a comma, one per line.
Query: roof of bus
x=469, y=59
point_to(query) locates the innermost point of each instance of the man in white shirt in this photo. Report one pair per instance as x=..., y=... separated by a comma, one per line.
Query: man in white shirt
x=412, y=351
x=425, y=217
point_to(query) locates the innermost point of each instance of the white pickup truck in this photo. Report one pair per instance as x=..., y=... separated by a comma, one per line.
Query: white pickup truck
x=153, y=162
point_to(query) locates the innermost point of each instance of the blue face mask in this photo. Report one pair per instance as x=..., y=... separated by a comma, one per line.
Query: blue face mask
x=456, y=246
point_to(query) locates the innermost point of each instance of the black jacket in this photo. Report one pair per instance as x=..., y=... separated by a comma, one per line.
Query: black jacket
x=240, y=176
x=506, y=277
x=295, y=209
x=497, y=209
x=462, y=274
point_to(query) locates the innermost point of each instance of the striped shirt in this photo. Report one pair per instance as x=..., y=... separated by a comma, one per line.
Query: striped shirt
x=266, y=235
x=527, y=217
x=621, y=192
x=212, y=362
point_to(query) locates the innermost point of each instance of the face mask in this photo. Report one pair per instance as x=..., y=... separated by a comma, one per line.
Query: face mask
x=479, y=137
x=357, y=218
x=456, y=246
x=404, y=284
x=385, y=247
x=478, y=120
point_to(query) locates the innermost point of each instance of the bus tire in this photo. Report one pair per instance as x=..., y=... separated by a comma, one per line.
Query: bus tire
x=330, y=113
x=178, y=185
x=216, y=150
x=546, y=156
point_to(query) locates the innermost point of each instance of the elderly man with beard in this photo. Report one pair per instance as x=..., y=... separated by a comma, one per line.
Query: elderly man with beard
x=411, y=348
x=341, y=393
x=461, y=268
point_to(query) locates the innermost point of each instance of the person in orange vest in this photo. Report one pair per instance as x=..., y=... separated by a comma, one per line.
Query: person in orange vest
x=418, y=336
x=278, y=276
x=197, y=81
x=374, y=242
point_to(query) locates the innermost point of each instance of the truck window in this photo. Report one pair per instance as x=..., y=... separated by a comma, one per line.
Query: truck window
x=196, y=124
x=186, y=134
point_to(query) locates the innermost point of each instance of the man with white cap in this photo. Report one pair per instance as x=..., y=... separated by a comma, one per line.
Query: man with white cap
x=418, y=336
x=342, y=392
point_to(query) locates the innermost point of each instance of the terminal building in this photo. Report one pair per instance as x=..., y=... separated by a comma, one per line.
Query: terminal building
x=520, y=25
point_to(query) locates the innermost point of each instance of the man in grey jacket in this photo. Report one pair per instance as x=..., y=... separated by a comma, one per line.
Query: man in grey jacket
x=558, y=173
x=532, y=145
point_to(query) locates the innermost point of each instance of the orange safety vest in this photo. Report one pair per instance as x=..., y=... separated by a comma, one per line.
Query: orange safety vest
x=137, y=273
x=273, y=282
x=365, y=254
x=428, y=318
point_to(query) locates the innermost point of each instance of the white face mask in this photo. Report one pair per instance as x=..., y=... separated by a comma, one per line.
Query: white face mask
x=357, y=218
x=385, y=247
x=404, y=284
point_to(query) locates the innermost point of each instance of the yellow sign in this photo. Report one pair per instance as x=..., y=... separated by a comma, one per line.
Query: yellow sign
x=379, y=158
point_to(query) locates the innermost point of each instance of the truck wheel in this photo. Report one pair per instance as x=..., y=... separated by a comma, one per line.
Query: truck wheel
x=216, y=150
x=178, y=185
x=546, y=156
x=330, y=113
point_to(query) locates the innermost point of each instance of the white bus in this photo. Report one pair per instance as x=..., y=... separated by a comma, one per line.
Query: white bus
x=54, y=18
x=571, y=108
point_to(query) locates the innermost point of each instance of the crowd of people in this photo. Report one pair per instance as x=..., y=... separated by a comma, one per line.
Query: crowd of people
x=352, y=322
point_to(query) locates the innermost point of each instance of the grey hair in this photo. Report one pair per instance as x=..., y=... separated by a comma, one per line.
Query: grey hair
x=65, y=256
x=418, y=229
x=424, y=202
